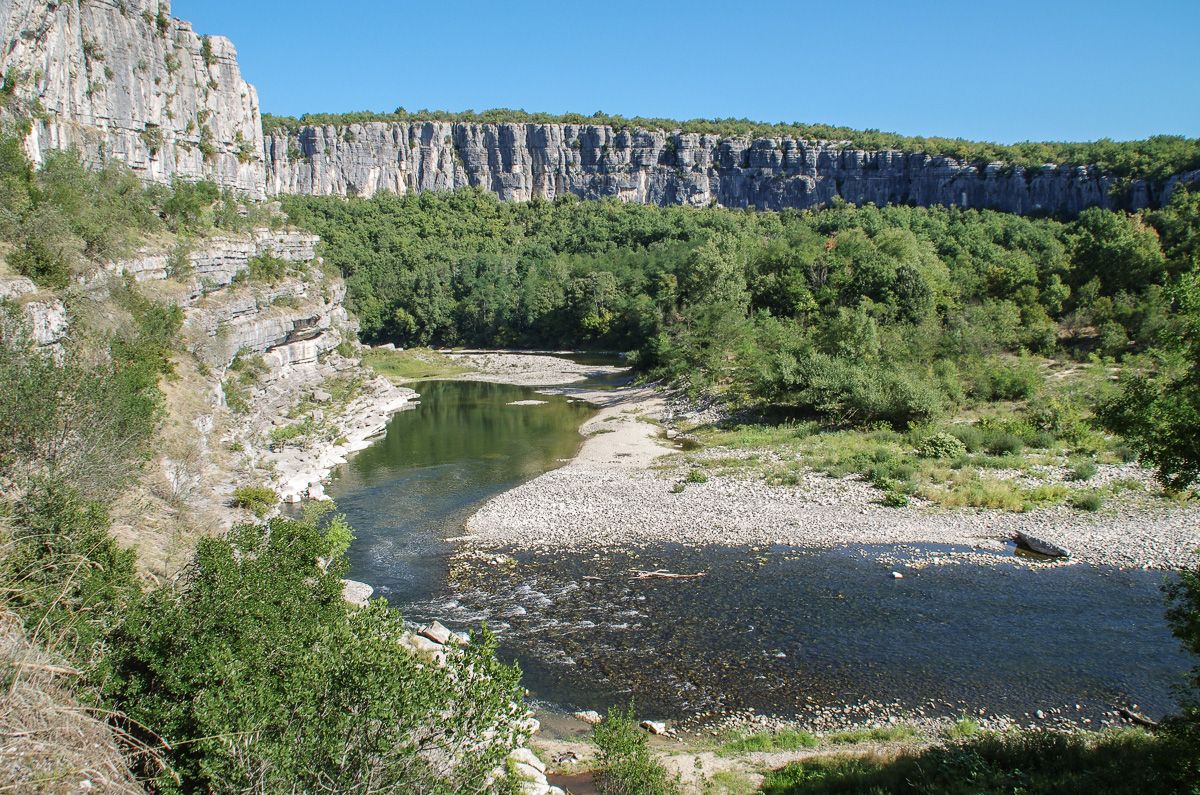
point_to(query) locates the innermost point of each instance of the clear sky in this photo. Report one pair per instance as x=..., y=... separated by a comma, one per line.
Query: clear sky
x=980, y=69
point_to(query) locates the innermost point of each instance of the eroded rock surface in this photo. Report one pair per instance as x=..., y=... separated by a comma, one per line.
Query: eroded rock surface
x=122, y=80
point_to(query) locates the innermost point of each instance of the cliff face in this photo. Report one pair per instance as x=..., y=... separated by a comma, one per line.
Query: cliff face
x=256, y=355
x=522, y=161
x=122, y=80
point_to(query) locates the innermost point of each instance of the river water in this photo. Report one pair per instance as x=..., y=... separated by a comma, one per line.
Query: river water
x=778, y=630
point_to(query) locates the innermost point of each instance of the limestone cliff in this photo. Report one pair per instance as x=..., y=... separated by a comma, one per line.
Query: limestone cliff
x=122, y=80
x=522, y=161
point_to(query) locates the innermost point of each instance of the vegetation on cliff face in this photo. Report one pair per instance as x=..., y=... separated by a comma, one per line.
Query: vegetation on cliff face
x=63, y=220
x=1154, y=158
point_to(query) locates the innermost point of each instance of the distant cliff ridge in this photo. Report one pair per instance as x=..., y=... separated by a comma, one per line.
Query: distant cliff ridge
x=522, y=161
x=122, y=80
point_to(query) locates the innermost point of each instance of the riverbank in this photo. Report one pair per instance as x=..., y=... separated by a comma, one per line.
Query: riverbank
x=527, y=368
x=635, y=489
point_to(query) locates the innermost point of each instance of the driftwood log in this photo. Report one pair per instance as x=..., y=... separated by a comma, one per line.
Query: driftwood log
x=1136, y=719
x=1040, y=546
x=662, y=574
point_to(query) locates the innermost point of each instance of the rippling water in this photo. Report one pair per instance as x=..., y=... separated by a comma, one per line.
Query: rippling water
x=778, y=630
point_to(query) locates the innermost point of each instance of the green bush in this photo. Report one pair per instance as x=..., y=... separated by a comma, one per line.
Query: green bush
x=999, y=442
x=998, y=378
x=942, y=445
x=263, y=269
x=696, y=476
x=625, y=764
x=1090, y=501
x=970, y=435
x=259, y=500
x=1117, y=762
x=85, y=420
x=1082, y=469
x=253, y=675
x=782, y=740
x=64, y=574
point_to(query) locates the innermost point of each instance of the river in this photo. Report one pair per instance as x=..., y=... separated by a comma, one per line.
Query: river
x=784, y=631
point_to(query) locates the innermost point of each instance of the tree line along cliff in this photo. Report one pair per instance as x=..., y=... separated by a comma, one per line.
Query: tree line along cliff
x=123, y=80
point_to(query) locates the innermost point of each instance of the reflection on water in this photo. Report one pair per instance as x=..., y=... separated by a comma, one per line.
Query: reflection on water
x=777, y=630
x=416, y=487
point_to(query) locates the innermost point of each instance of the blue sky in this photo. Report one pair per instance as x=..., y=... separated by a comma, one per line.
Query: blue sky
x=1000, y=71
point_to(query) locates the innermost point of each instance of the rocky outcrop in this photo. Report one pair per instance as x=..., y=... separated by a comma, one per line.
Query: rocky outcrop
x=122, y=80
x=44, y=314
x=263, y=350
x=217, y=261
x=520, y=162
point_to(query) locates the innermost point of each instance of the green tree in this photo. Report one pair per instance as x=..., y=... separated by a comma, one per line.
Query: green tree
x=1159, y=412
x=1119, y=250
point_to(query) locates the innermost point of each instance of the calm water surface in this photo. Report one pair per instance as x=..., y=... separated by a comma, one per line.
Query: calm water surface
x=774, y=629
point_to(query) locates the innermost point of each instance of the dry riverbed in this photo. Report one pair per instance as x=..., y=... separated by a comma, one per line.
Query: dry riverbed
x=625, y=488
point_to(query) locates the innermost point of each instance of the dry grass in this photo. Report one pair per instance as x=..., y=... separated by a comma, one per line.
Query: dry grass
x=49, y=741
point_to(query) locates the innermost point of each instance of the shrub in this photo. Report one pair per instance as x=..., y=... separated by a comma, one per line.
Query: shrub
x=263, y=269
x=696, y=476
x=281, y=436
x=63, y=573
x=257, y=676
x=1005, y=379
x=962, y=728
x=1090, y=501
x=259, y=500
x=970, y=435
x=1082, y=469
x=782, y=740
x=941, y=445
x=988, y=763
x=1003, y=443
x=1042, y=440
x=626, y=765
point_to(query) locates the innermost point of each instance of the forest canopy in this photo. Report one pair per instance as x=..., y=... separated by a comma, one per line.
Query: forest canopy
x=856, y=315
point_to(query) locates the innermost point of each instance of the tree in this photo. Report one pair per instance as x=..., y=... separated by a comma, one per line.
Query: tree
x=1159, y=412
x=1120, y=250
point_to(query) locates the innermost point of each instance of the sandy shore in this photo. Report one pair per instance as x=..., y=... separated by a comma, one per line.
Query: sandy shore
x=615, y=493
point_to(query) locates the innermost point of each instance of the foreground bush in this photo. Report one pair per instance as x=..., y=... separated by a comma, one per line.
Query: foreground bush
x=626, y=765
x=258, y=677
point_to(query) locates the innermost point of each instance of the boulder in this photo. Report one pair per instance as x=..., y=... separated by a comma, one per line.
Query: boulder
x=654, y=727
x=437, y=632
x=356, y=593
x=589, y=716
x=527, y=757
